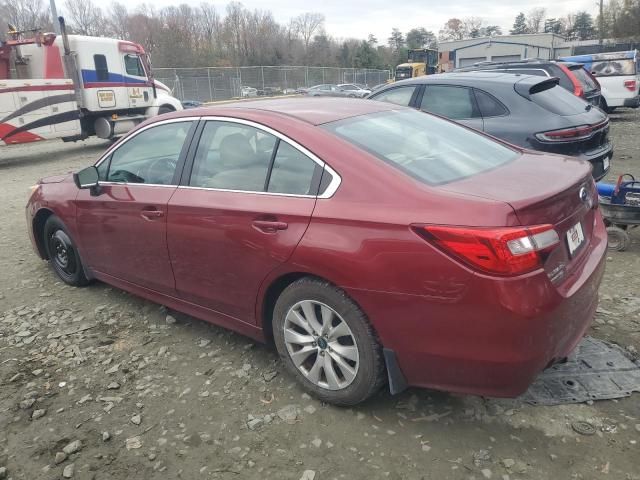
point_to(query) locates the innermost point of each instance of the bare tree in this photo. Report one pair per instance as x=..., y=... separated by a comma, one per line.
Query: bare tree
x=535, y=20
x=307, y=25
x=118, y=20
x=472, y=26
x=85, y=17
x=24, y=15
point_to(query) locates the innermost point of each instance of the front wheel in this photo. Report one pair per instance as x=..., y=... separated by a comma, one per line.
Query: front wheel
x=63, y=254
x=327, y=343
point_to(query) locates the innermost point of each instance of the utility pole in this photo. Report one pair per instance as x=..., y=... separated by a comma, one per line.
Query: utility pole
x=54, y=14
x=600, y=26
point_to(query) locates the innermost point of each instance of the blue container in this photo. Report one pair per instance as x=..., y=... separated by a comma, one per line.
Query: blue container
x=605, y=189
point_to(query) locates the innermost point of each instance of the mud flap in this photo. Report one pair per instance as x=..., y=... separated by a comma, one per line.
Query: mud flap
x=397, y=382
x=596, y=370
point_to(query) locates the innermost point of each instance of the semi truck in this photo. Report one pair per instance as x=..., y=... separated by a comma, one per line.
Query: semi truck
x=73, y=87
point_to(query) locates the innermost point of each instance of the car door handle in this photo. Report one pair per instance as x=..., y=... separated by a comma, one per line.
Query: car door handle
x=150, y=214
x=268, y=226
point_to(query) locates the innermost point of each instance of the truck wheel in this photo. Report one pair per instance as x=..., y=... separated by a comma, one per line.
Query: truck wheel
x=165, y=109
x=619, y=240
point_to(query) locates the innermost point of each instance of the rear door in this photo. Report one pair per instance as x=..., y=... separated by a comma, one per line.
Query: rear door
x=241, y=210
x=454, y=102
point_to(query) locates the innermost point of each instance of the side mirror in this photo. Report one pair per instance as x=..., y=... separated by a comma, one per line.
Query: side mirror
x=88, y=178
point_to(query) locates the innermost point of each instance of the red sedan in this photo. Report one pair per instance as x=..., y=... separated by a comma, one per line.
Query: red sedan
x=370, y=242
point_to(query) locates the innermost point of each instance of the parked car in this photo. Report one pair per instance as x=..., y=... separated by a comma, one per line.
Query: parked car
x=371, y=242
x=270, y=92
x=247, y=92
x=618, y=74
x=324, y=90
x=572, y=76
x=191, y=104
x=532, y=112
x=353, y=90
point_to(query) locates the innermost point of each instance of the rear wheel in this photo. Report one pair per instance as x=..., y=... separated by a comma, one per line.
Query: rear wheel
x=63, y=254
x=619, y=240
x=326, y=342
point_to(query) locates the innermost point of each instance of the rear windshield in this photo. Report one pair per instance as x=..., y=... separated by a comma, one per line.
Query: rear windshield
x=612, y=68
x=429, y=149
x=560, y=101
x=585, y=80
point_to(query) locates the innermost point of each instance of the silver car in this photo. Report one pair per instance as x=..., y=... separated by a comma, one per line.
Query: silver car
x=353, y=90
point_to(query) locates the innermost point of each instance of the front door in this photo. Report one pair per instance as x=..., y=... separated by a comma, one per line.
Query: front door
x=122, y=229
x=139, y=89
x=241, y=213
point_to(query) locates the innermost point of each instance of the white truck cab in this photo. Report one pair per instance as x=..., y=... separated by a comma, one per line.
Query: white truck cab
x=75, y=86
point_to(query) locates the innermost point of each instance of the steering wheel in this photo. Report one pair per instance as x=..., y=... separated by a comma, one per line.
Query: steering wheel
x=159, y=171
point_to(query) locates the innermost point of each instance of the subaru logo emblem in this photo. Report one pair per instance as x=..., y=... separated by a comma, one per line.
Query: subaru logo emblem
x=583, y=194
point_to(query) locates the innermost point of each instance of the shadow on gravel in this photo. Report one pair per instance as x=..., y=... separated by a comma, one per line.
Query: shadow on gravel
x=11, y=157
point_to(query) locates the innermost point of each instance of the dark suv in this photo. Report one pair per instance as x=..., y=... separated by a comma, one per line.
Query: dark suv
x=572, y=76
x=529, y=111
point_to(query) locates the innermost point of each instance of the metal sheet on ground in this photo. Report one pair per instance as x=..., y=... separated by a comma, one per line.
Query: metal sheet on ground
x=595, y=371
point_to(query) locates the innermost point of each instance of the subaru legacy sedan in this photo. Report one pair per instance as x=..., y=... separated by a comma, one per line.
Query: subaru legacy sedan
x=371, y=243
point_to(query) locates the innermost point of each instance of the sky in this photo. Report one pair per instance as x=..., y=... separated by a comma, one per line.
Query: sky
x=357, y=19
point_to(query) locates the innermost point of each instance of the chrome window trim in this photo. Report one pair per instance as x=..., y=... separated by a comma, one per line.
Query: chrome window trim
x=116, y=146
x=128, y=184
x=331, y=189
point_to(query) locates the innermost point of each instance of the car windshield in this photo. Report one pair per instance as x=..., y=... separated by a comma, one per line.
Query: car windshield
x=585, y=80
x=429, y=149
x=560, y=101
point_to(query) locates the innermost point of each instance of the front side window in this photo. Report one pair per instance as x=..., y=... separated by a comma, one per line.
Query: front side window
x=102, y=71
x=397, y=96
x=150, y=157
x=232, y=156
x=452, y=102
x=438, y=151
x=133, y=65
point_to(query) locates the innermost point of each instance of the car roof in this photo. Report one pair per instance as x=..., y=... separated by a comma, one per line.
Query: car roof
x=315, y=111
x=469, y=77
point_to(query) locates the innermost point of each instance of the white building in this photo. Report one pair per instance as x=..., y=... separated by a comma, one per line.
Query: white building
x=504, y=48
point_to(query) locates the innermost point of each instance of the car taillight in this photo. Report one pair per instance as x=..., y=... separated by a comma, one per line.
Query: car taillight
x=504, y=251
x=581, y=132
x=630, y=85
x=578, y=91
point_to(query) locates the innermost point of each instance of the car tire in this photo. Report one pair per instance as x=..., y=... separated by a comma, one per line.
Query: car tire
x=63, y=254
x=343, y=365
x=618, y=239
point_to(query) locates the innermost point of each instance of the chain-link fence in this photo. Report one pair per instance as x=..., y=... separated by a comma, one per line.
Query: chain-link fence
x=222, y=83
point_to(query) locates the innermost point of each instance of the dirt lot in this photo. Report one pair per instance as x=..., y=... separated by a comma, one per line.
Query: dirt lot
x=95, y=383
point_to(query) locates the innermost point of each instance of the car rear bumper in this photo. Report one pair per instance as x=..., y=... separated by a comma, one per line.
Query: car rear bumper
x=632, y=102
x=599, y=159
x=498, y=335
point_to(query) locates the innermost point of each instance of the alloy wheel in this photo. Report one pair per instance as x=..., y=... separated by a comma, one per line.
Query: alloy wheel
x=321, y=345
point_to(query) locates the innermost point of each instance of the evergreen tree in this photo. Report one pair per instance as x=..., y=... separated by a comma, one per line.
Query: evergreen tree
x=519, y=25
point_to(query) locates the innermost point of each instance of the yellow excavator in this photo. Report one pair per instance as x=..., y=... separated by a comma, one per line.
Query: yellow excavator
x=420, y=61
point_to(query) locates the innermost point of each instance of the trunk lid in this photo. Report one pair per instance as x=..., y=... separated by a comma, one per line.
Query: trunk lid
x=543, y=189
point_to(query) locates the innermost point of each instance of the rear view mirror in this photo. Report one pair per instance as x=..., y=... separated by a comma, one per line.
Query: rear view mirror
x=87, y=178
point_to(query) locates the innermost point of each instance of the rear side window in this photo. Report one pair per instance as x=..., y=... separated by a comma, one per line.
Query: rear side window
x=489, y=106
x=102, y=71
x=560, y=101
x=427, y=148
x=456, y=103
x=397, y=96
x=293, y=172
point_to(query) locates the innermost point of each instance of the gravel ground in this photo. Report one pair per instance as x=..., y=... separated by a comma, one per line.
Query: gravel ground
x=98, y=384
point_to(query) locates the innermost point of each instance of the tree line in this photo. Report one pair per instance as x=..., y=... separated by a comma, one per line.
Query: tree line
x=198, y=36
